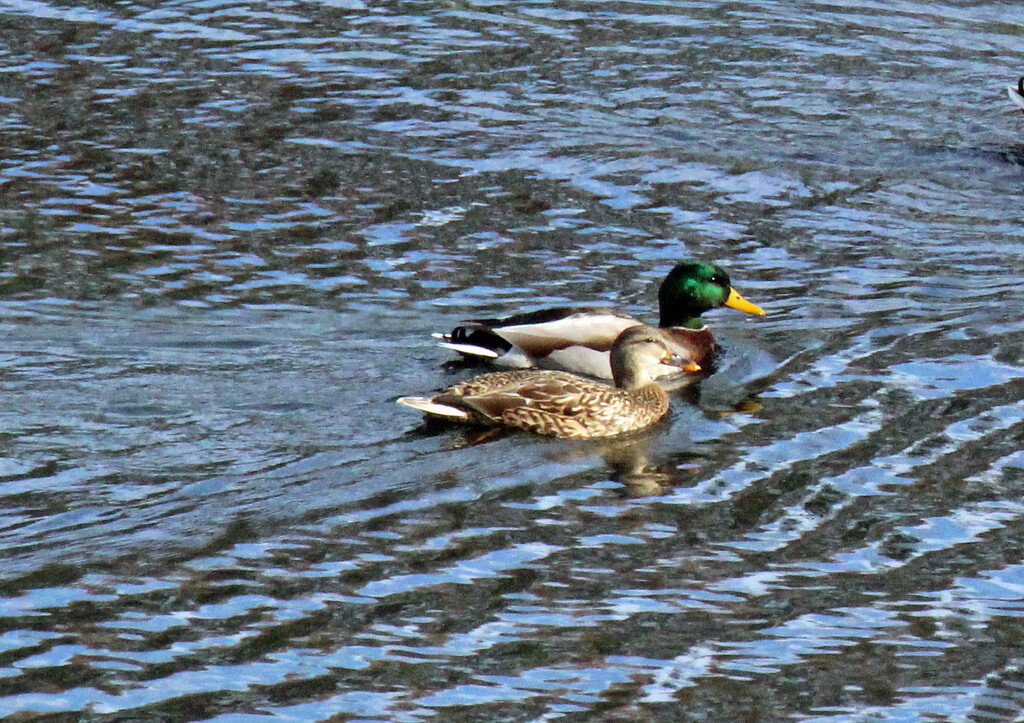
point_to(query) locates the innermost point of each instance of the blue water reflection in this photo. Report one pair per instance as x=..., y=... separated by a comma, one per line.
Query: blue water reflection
x=229, y=229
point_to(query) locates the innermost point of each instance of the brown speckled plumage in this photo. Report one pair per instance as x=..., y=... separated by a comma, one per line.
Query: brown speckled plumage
x=560, y=404
x=556, y=403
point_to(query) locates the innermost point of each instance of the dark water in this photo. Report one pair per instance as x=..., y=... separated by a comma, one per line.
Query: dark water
x=228, y=229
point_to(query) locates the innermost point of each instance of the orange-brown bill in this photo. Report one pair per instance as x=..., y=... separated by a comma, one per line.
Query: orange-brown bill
x=686, y=365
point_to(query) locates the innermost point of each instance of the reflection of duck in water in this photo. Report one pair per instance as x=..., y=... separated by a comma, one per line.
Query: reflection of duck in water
x=1001, y=697
x=559, y=404
x=578, y=339
x=1017, y=93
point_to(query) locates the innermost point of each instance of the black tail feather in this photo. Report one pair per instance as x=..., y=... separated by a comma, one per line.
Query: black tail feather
x=478, y=336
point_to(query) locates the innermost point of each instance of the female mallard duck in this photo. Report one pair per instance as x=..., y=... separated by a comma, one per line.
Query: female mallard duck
x=566, y=405
x=578, y=339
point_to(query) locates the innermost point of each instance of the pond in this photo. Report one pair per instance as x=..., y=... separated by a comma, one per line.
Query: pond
x=229, y=229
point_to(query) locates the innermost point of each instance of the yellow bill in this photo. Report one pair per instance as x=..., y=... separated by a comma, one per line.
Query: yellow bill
x=738, y=302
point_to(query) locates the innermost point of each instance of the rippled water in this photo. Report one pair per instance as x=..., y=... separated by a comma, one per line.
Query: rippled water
x=229, y=227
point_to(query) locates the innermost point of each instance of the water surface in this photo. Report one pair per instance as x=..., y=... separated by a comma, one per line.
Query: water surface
x=229, y=227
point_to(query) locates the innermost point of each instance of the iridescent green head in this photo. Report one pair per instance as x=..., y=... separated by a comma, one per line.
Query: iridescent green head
x=693, y=287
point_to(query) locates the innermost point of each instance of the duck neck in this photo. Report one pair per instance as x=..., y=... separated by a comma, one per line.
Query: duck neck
x=631, y=377
x=686, y=317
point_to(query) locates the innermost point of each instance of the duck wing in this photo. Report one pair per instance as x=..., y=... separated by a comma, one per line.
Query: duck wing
x=524, y=339
x=587, y=410
x=497, y=396
x=594, y=329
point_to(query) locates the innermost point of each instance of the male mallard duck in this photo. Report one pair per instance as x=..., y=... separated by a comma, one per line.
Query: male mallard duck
x=566, y=405
x=578, y=339
x=1017, y=94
